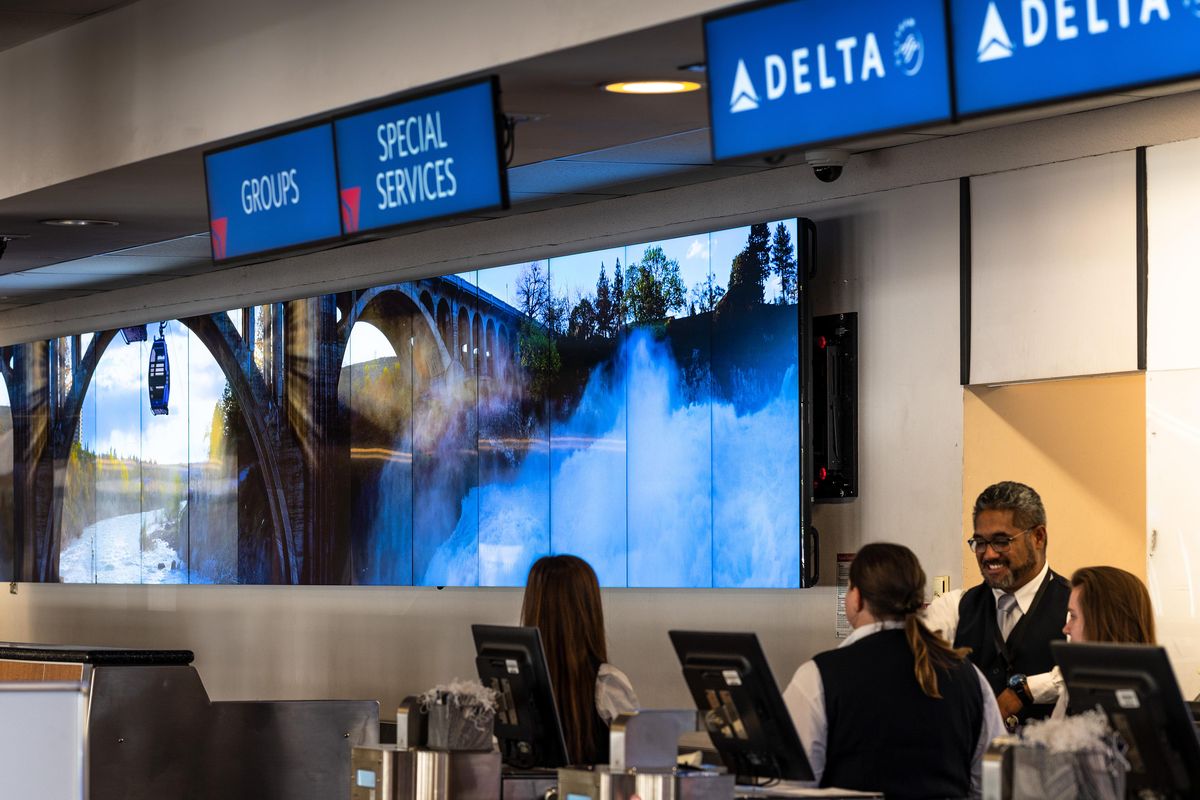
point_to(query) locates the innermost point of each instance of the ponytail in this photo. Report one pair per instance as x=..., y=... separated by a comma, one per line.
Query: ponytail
x=930, y=651
x=890, y=579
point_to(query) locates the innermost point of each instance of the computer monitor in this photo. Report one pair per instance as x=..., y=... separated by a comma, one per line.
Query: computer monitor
x=743, y=711
x=1136, y=688
x=511, y=661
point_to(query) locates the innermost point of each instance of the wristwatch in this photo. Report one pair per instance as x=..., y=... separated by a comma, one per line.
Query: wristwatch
x=1020, y=686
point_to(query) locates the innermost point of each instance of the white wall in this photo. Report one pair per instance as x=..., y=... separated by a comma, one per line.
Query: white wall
x=271, y=642
x=893, y=257
x=1173, y=402
x=1054, y=270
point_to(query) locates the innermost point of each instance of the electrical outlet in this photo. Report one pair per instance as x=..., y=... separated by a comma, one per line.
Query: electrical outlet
x=941, y=584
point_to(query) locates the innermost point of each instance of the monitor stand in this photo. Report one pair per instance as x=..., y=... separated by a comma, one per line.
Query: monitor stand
x=526, y=784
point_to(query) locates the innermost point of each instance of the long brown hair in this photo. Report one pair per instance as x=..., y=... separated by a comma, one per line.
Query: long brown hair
x=562, y=600
x=1116, y=606
x=892, y=584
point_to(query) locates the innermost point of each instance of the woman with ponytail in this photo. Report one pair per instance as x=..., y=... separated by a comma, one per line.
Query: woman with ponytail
x=895, y=708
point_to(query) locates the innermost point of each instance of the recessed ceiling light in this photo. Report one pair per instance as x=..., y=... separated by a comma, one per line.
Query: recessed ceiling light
x=80, y=223
x=651, y=87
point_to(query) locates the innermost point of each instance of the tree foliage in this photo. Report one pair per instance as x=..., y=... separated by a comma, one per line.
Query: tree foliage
x=539, y=356
x=783, y=264
x=749, y=270
x=654, y=287
x=618, y=298
x=706, y=293
x=606, y=317
x=584, y=322
x=545, y=317
x=533, y=292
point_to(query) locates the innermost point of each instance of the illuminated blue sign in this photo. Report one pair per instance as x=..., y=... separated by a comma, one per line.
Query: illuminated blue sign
x=1020, y=52
x=272, y=194
x=812, y=71
x=420, y=159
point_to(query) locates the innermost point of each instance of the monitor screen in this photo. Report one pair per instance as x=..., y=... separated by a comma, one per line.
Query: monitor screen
x=1012, y=53
x=788, y=75
x=421, y=158
x=272, y=194
x=1136, y=688
x=638, y=406
x=743, y=710
x=511, y=661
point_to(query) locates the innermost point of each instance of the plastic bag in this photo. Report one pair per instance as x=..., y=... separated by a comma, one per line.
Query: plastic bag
x=1077, y=758
x=460, y=716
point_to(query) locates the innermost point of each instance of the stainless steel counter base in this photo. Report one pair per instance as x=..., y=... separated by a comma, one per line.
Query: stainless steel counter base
x=386, y=772
x=602, y=783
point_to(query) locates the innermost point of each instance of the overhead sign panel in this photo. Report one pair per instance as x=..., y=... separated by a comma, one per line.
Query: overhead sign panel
x=420, y=159
x=272, y=194
x=806, y=72
x=1022, y=52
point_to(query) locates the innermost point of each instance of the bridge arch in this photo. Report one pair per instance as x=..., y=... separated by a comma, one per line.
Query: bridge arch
x=7, y=472
x=217, y=333
x=464, y=338
x=384, y=306
x=445, y=326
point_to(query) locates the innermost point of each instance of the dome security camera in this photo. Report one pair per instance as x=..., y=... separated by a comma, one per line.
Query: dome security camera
x=827, y=164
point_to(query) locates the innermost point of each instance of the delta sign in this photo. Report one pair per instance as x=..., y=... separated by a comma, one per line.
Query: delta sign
x=808, y=72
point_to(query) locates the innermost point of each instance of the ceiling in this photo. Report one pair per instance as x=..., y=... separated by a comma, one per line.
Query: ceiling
x=24, y=20
x=577, y=144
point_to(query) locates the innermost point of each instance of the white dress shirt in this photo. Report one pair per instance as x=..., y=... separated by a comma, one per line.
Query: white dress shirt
x=942, y=616
x=805, y=701
x=614, y=694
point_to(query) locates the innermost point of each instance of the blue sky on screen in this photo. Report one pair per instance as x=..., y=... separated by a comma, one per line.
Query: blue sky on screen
x=501, y=282
x=367, y=343
x=575, y=276
x=117, y=415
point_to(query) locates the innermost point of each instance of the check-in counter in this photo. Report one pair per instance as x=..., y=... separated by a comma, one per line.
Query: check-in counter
x=150, y=731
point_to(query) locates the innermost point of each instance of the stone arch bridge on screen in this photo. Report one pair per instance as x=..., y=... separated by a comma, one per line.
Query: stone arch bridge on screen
x=289, y=402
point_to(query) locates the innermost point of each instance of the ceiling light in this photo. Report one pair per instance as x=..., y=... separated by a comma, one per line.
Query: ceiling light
x=651, y=87
x=80, y=223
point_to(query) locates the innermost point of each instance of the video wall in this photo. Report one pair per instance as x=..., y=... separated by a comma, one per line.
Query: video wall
x=637, y=406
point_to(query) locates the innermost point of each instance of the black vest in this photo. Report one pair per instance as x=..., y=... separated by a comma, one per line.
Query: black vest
x=1027, y=650
x=885, y=734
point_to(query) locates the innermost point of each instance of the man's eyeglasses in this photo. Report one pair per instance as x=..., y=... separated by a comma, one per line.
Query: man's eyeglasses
x=999, y=543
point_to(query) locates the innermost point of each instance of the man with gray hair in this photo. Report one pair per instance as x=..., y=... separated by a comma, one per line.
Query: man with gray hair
x=1010, y=619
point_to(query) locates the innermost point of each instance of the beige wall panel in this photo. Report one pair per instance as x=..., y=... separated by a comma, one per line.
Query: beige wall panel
x=1082, y=445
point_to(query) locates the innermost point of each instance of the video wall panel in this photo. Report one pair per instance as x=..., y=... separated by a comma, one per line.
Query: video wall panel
x=637, y=406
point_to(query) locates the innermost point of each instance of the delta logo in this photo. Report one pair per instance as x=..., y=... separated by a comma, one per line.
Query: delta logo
x=827, y=65
x=1064, y=20
x=350, y=205
x=219, y=231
